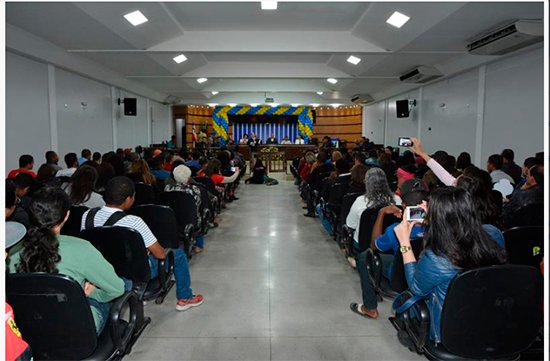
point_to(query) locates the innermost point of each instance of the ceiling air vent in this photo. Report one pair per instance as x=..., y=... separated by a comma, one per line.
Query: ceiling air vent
x=421, y=74
x=511, y=37
x=362, y=99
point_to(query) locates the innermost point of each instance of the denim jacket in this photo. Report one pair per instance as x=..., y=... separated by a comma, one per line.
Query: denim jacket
x=430, y=278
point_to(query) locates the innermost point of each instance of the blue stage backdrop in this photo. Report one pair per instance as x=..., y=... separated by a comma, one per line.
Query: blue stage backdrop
x=263, y=131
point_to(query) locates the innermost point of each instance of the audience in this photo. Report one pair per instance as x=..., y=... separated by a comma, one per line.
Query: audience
x=119, y=197
x=72, y=163
x=46, y=250
x=530, y=193
x=52, y=159
x=82, y=189
x=26, y=164
x=86, y=155
x=140, y=173
x=494, y=167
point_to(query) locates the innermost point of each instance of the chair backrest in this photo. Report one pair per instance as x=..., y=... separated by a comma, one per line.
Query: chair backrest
x=492, y=312
x=525, y=245
x=124, y=249
x=145, y=194
x=337, y=192
x=529, y=215
x=72, y=226
x=398, y=282
x=368, y=218
x=161, y=220
x=183, y=205
x=207, y=181
x=53, y=315
x=347, y=202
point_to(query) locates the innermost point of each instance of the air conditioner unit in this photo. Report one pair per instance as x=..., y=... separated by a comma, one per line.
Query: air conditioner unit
x=421, y=74
x=511, y=37
x=362, y=99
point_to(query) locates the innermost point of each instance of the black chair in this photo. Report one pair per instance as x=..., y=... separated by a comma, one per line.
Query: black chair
x=72, y=226
x=525, y=245
x=529, y=215
x=53, y=314
x=398, y=283
x=366, y=223
x=489, y=313
x=342, y=234
x=186, y=212
x=145, y=194
x=124, y=249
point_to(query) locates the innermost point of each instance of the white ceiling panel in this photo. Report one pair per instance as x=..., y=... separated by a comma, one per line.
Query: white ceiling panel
x=274, y=57
x=129, y=63
x=249, y=16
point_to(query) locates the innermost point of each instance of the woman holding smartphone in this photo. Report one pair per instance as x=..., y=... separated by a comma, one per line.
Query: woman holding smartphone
x=455, y=242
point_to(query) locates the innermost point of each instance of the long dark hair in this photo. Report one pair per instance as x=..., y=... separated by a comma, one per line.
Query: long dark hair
x=213, y=167
x=83, y=184
x=478, y=183
x=454, y=230
x=48, y=209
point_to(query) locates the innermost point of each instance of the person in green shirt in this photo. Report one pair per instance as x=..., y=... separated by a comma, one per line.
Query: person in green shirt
x=45, y=250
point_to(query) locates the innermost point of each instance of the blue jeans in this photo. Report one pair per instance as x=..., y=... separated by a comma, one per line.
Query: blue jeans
x=181, y=273
x=104, y=310
x=367, y=288
x=325, y=222
x=199, y=241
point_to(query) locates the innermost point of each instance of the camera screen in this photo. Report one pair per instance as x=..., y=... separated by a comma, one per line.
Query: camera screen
x=405, y=142
x=416, y=214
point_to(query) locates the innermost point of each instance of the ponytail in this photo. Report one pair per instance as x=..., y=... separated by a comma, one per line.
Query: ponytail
x=48, y=209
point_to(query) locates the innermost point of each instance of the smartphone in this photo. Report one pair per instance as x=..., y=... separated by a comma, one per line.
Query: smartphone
x=233, y=169
x=415, y=213
x=405, y=142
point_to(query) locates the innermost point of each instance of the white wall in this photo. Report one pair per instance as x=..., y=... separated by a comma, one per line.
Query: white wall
x=481, y=111
x=45, y=112
x=26, y=103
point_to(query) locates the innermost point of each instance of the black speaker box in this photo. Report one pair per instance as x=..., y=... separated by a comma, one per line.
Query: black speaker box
x=402, y=107
x=130, y=106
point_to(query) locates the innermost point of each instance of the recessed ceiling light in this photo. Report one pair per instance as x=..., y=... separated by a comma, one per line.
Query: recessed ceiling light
x=397, y=19
x=354, y=60
x=232, y=104
x=273, y=105
x=201, y=80
x=332, y=80
x=295, y=105
x=320, y=93
x=253, y=104
x=335, y=105
x=213, y=105
x=215, y=92
x=180, y=58
x=314, y=105
x=136, y=18
x=269, y=5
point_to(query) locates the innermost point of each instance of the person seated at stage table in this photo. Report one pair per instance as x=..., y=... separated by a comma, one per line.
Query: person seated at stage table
x=254, y=141
x=299, y=140
x=286, y=140
x=244, y=139
x=272, y=140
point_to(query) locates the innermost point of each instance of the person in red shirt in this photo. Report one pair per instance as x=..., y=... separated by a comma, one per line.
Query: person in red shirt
x=26, y=163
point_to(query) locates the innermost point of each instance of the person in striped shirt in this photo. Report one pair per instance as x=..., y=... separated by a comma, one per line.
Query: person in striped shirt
x=119, y=196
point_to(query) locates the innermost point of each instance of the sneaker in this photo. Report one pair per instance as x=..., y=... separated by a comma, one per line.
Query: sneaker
x=183, y=305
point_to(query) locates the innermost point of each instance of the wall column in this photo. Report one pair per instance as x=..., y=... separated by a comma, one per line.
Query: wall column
x=52, y=102
x=480, y=116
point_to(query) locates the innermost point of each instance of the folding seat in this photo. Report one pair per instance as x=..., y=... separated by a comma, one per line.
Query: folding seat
x=72, y=226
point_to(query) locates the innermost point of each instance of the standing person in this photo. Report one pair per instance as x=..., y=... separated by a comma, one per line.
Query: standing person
x=119, y=196
x=46, y=250
x=172, y=143
x=451, y=247
x=26, y=164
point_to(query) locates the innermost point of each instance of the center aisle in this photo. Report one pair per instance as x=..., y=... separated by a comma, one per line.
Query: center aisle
x=276, y=288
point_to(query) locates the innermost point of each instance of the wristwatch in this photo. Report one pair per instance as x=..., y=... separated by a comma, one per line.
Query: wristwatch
x=405, y=249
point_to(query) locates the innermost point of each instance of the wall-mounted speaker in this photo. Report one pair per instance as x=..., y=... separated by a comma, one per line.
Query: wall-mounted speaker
x=402, y=107
x=130, y=106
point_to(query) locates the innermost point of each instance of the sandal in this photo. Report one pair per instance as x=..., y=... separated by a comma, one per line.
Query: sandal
x=357, y=308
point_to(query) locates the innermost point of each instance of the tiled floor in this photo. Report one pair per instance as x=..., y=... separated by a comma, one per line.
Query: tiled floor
x=276, y=287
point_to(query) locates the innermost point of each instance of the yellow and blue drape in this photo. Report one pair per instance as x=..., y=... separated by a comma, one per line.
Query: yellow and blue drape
x=220, y=120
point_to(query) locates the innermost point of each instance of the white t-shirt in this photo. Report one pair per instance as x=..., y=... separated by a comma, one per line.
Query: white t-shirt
x=129, y=221
x=299, y=141
x=95, y=200
x=353, y=219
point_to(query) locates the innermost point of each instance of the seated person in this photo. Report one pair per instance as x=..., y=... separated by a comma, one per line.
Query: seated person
x=119, y=196
x=532, y=192
x=413, y=193
x=52, y=159
x=71, y=160
x=46, y=250
x=182, y=175
x=157, y=169
x=86, y=155
x=299, y=140
x=244, y=139
x=451, y=247
x=258, y=173
x=24, y=184
x=253, y=141
x=212, y=171
x=286, y=140
x=271, y=140
x=494, y=167
x=82, y=190
x=26, y=163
